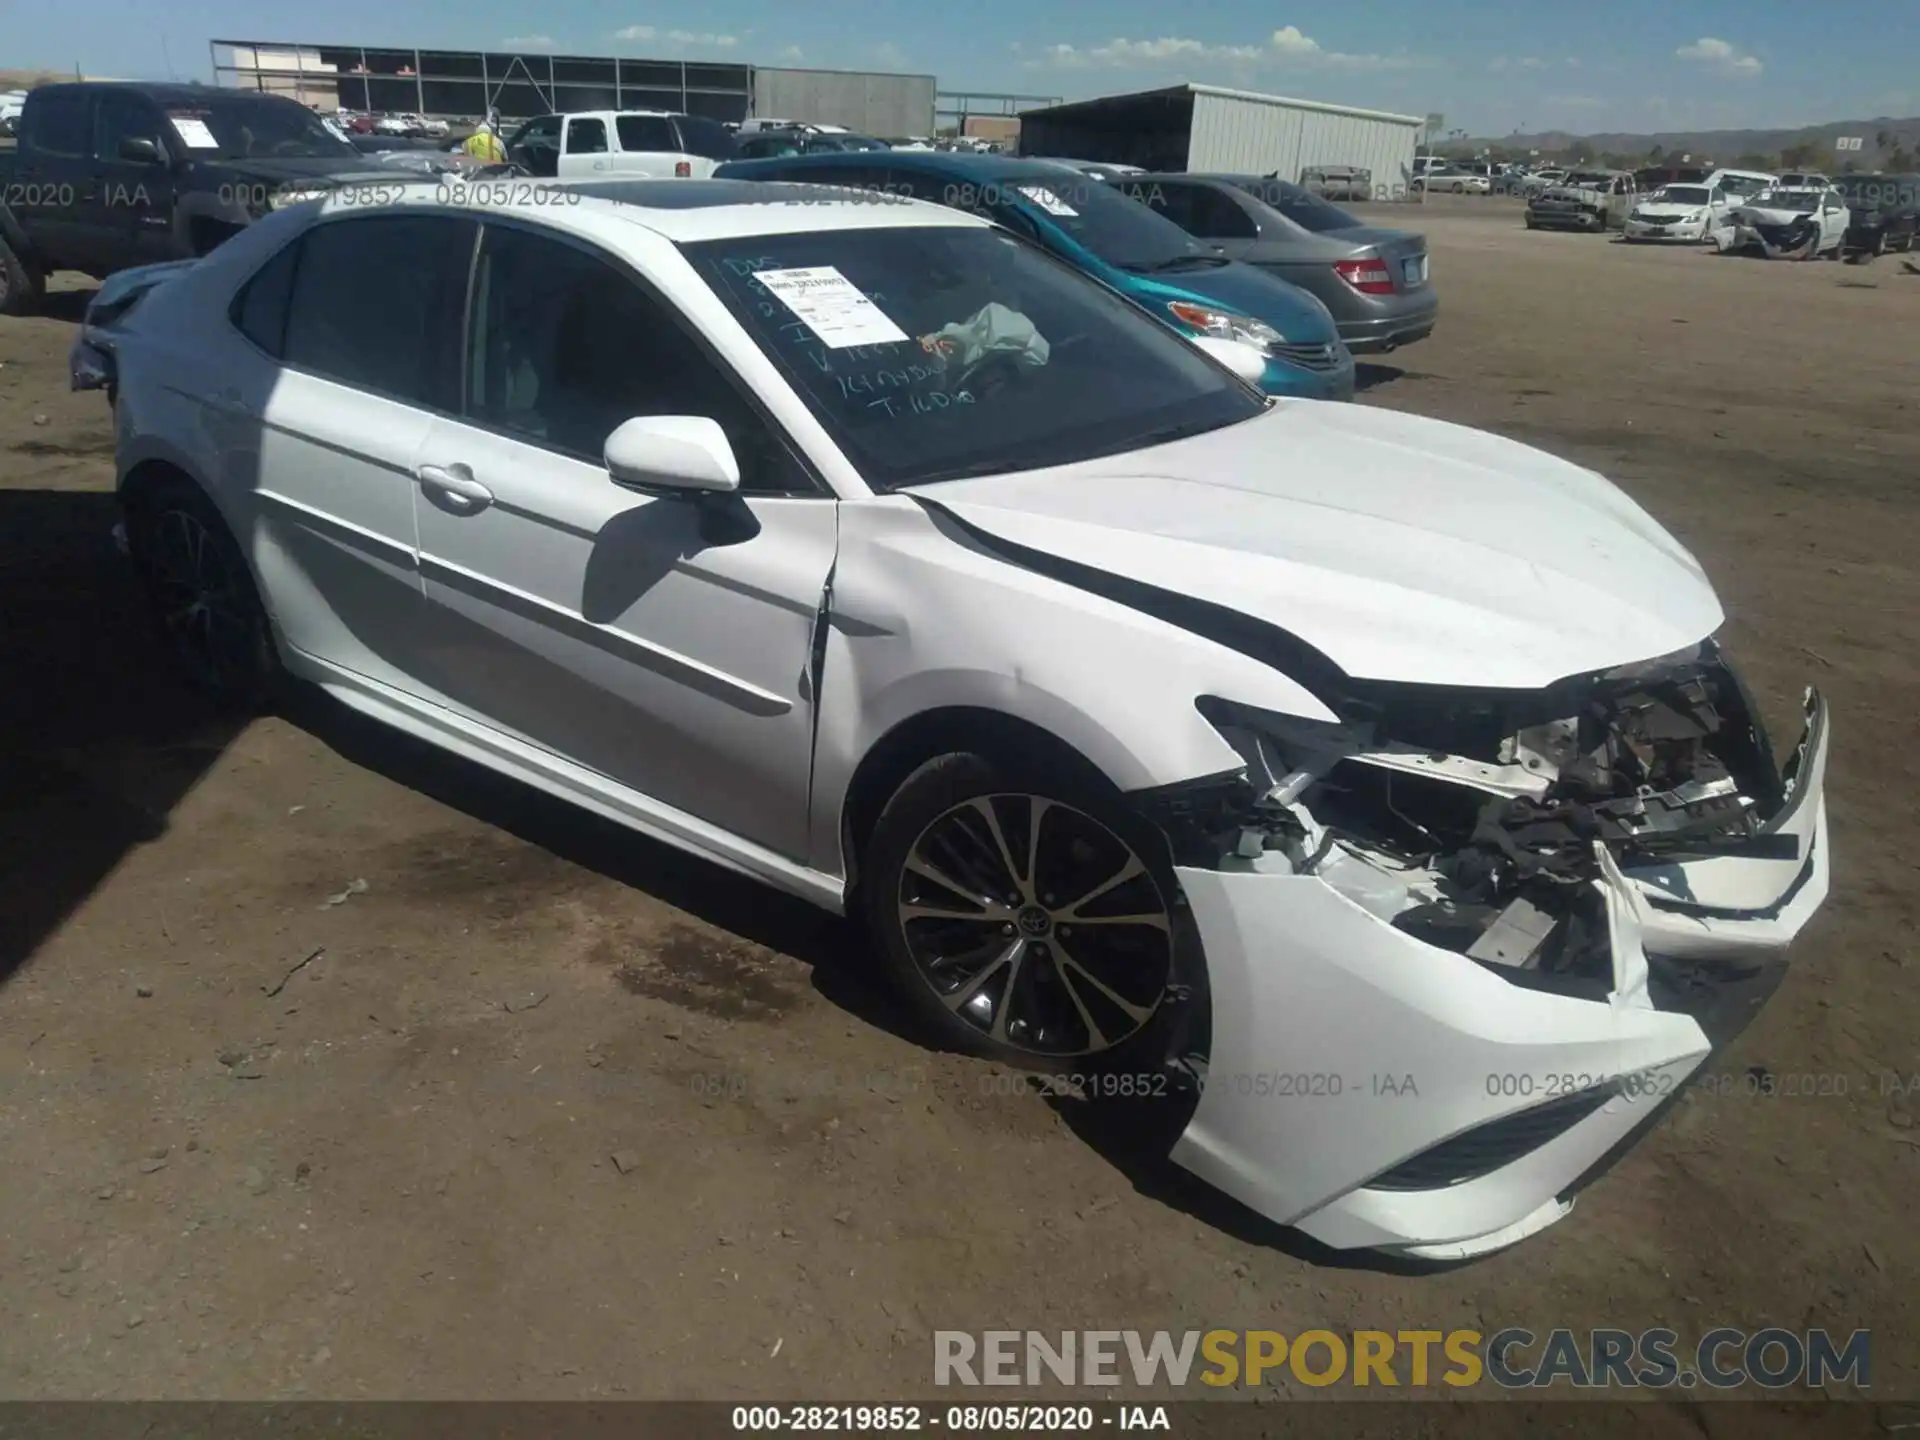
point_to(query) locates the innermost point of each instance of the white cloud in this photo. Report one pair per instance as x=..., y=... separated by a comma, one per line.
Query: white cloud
x=1285, y=47
x=1720, y=55
x=705, y=39
x=890, y=55
x=527, y=42
x=793, y=54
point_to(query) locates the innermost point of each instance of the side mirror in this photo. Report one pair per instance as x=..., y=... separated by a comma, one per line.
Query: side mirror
x=1245, y=361
x=141, y=150
x=672, y=452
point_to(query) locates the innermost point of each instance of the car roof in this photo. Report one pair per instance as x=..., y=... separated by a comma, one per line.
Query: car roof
x=167, y=93
x=601, y=114
x=953, y=164
x=685, y=211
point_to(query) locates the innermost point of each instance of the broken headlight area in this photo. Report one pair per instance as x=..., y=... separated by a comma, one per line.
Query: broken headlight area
x=1483, y=822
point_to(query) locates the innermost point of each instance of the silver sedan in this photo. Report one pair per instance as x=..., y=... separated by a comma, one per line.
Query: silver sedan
x=1374, y=280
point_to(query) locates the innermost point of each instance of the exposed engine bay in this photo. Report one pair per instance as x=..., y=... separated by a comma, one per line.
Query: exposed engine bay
x=1481, y=822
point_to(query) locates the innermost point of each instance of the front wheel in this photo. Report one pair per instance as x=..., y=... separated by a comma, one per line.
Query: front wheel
x=21, y=287
x=1022, y=912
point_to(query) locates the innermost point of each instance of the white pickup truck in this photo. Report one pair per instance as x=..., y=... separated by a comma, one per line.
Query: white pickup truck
x=652, y=143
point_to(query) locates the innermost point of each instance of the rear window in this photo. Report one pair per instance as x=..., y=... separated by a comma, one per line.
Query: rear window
x=653, y=133
x=1302, y=206
x=708, y=139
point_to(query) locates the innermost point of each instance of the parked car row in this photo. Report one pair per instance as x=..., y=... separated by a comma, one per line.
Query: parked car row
x=1799, y=215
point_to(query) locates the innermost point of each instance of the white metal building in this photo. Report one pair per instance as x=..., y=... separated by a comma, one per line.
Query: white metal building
x=1206, y=128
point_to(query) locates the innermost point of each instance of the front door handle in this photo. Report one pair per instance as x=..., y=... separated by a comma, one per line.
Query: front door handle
x=457, y=482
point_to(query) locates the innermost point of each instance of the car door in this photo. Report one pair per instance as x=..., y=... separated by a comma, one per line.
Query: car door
x=1833, y=221
x=585, y=148
x=536, y=146
x=357, y=325
x=53, y=189
x=658, y=640
x=1620, y=198
x=138, y=192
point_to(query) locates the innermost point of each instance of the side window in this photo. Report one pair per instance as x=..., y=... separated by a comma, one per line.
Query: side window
x=1216, y=217
x=652, y=134
x=377, y=303
x=60, y=123
x=123, y=117
x=564, y=348
x=1173, y=201
x=586, y=136
x=260, y=309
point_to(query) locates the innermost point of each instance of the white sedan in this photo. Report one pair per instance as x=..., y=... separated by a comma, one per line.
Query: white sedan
x=1372, y=786
x=1692, y=214
x=1792, y=224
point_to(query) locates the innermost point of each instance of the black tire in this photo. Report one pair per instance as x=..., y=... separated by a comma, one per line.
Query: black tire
x=21, y=286
x=1126, y=996
x=201, y=595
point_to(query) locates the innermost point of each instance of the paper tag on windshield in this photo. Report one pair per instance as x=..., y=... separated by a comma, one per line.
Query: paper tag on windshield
x=828, y=304
x=193, y=130
x=1047, y=200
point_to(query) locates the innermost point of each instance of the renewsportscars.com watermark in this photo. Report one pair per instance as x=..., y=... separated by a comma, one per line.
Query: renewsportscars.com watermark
x=1511, y=1359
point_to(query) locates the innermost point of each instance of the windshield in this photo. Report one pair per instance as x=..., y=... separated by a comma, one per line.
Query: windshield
x=935, y=352
x=255, y=129
x=1684, y=195
x=1099, y=218
x=1801, y=200
x=1595, y=178
x=1301, y=206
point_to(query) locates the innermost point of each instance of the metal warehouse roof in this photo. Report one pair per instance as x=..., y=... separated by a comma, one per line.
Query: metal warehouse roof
x=1189, y=88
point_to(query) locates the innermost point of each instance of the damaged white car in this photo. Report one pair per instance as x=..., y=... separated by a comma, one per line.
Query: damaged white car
x=1373, y=785
x=1792, y=224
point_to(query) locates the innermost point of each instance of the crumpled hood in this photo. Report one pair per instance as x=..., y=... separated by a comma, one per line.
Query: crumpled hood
x=1581, y=194
x=1771, y=214
x=1403, y=549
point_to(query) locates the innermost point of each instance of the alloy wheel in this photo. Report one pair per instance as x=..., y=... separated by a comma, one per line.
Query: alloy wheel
x=205, y=607
x=1036, y=925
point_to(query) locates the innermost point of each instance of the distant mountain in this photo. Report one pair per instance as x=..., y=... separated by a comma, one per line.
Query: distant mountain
x=1883, y=142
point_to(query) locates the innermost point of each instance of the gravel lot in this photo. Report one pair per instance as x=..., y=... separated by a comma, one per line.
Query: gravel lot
x=552, y=1112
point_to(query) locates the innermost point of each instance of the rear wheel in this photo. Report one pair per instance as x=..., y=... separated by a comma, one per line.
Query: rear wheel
x=1022, y=912
x=21, y=286
x=202, y=594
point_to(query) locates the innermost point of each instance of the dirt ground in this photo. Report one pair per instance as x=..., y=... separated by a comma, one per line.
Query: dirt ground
x=551, y=1112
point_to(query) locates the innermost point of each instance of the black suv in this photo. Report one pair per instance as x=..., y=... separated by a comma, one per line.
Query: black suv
x=109, y=176
x=1885, y=213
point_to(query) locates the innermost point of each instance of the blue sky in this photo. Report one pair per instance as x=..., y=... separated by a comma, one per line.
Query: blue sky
x=1490, y=66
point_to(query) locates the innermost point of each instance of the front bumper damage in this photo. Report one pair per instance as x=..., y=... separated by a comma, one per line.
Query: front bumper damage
x=1565, y=213
x=1449, y=987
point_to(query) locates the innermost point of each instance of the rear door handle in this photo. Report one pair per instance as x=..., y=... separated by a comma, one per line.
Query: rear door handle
x=456, y=481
